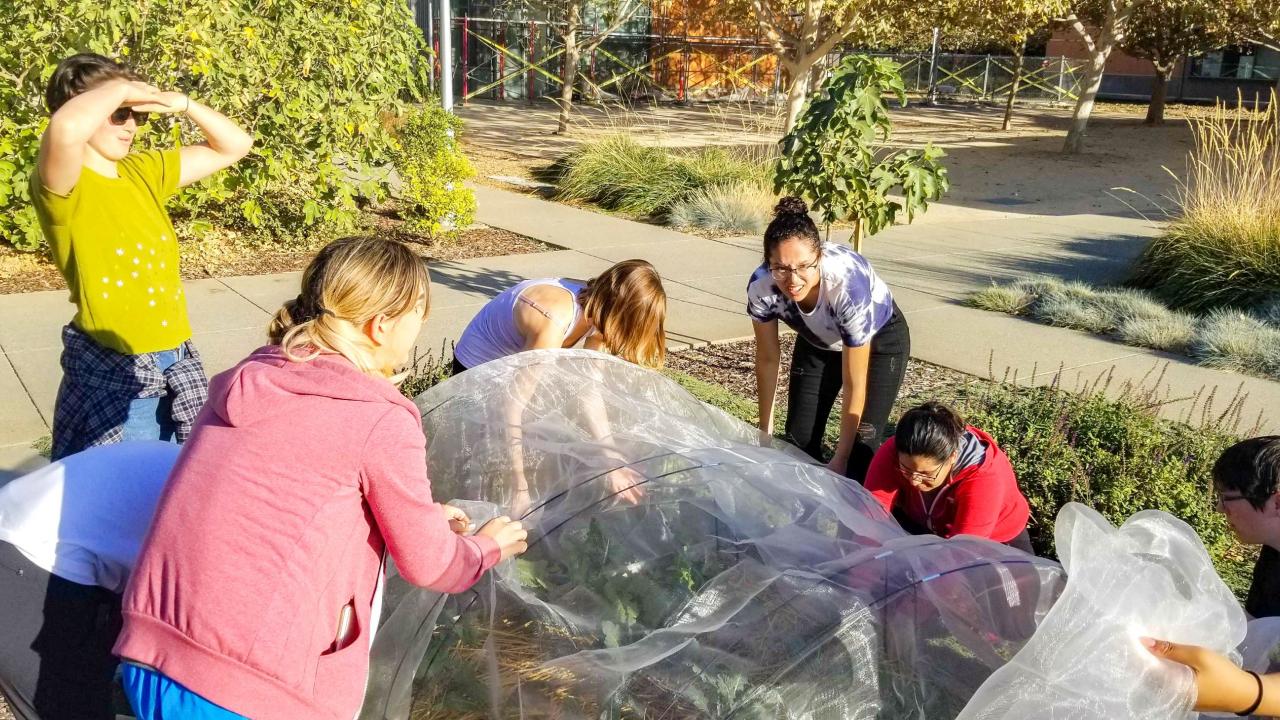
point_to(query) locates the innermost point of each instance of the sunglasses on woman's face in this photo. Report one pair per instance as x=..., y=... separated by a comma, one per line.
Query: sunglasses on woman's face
x=121, y=116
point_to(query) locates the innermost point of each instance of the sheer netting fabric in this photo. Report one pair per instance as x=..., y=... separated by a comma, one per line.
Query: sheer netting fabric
x=680, y=566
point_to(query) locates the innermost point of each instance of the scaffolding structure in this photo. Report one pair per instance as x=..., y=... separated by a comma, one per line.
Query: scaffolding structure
x=662, y=55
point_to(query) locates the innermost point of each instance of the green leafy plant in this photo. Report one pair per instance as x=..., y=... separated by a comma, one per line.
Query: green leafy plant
x=434, y=170
x=830, y=159
x=313, y=80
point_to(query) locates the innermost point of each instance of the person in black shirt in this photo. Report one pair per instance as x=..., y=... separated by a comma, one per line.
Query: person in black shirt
x=1246, y=480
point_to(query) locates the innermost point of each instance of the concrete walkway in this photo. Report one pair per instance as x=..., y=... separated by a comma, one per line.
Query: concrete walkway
x=930, y=266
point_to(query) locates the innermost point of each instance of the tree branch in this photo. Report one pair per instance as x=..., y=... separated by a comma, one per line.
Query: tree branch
x=777, y=36
x=1074, y=20
x=622, y=19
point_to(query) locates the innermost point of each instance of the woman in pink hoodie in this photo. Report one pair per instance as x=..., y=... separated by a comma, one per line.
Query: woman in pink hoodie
x=252, y=595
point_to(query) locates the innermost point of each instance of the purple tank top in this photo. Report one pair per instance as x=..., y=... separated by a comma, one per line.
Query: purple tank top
x=492, y=332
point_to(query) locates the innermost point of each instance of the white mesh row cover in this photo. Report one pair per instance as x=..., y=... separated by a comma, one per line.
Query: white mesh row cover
x=743, y=582
x=1149, y=577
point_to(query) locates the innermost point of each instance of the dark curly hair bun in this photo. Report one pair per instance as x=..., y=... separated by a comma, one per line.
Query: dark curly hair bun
x=790, y=206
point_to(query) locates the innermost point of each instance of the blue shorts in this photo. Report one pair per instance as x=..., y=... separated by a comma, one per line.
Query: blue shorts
x=156, y=697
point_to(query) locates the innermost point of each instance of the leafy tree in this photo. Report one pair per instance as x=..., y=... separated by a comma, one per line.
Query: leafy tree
x=312, y=79
x=829, y=159
x=1165, y=31
x=803, y=32
x=615, y=13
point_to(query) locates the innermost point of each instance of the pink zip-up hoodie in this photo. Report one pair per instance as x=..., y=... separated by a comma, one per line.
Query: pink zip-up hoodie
x=296, y=477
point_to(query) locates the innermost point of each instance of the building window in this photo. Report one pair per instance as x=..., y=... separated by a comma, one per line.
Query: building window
x=1235, y=63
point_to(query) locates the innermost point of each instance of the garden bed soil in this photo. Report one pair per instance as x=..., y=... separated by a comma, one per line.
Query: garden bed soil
x=222, y=255
x=732, y=366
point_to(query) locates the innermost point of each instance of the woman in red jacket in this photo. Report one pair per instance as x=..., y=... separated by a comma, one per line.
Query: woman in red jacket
x=938, y=475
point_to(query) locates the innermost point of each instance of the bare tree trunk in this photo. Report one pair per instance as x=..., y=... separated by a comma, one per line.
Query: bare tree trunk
x=1159, y=92
x=796, y=95
x=571, y=54
x=1084, y=105
x=857, y=235
x=1013, y=88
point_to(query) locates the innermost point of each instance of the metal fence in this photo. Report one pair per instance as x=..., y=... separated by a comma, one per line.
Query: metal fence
x=505, y=59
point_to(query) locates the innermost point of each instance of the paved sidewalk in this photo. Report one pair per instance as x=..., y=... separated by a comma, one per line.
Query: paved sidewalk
x=930, y=266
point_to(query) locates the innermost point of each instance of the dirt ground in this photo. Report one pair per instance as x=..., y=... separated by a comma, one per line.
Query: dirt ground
x=220, y=256
x=732, y=366
x=993, y=172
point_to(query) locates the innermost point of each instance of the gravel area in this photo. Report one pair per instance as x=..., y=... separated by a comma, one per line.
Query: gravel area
x=732, y=366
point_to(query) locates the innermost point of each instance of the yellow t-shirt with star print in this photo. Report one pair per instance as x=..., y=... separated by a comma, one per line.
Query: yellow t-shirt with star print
x=114, y=243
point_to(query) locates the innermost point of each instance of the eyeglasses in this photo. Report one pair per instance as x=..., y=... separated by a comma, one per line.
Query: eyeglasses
x=782, y=272
x=922, y=476
x=1219, y=499
x=122, y=115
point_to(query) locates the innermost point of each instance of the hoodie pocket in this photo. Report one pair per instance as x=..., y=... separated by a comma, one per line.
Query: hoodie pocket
x=346, y=630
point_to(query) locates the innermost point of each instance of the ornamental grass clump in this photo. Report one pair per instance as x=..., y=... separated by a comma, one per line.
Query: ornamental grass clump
x=743, y=207
x=618, y=173
x=1224, y=249
x=1171, y=332
x=1233, y=340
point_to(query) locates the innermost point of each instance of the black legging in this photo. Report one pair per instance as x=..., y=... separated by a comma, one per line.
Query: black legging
x=55, y=643
x=816, y=378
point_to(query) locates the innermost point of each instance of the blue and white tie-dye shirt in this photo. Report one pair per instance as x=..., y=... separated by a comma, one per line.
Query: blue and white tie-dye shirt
x=853, y=302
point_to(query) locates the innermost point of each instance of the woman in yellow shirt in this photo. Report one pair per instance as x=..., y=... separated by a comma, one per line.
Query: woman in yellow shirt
x=130, y=371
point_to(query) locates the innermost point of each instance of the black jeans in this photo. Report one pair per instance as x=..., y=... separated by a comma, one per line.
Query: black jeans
x=816, y=378
x=55, y=643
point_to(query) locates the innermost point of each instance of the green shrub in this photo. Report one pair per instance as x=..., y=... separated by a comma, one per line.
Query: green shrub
x=313, y=81
x=1110, y=453
x=1224, y=249
x=1232, y=340
x=1125, y=304
x=743, y=207
x=619, y=173
x=436, y=200
x=1113, y=455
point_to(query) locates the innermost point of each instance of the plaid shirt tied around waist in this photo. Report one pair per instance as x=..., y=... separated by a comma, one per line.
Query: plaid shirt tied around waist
x=98, y=384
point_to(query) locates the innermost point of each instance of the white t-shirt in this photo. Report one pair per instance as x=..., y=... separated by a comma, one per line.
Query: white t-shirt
x=853, y=302
x=84, y=517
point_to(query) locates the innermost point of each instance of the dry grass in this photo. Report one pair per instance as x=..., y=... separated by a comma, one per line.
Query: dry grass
x=1224, y=250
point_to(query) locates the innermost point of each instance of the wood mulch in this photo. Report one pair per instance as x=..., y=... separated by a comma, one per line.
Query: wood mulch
x=732, y=366
x=223, y=255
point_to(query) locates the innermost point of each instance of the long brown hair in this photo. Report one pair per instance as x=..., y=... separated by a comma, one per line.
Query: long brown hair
x=628, y=307
x=349, y=282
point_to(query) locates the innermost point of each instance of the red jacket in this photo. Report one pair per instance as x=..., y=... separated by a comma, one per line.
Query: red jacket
x=982, y=500
x=296, y=477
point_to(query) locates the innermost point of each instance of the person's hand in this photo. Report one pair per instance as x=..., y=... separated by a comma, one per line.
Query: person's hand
x=459, y=523
x=626, y=485
x=1220, y=685
x=165, y=103
x=510, y=535
x=839, y=463
x=138, y=93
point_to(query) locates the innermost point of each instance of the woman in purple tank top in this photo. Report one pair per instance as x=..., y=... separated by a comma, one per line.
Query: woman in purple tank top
x=621, y=312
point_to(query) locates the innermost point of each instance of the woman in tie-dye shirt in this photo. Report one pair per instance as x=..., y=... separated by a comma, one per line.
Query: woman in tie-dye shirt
x=852, y=337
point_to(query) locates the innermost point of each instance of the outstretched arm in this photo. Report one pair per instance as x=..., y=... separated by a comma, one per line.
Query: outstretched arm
x=1220, y=685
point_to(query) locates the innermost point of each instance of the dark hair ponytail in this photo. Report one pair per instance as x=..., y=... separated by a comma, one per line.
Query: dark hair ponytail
x=790, y=220
x=931, y=430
